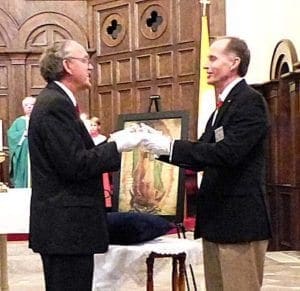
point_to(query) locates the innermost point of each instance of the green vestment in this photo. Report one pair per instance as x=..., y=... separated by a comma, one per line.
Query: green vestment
x=18, y=151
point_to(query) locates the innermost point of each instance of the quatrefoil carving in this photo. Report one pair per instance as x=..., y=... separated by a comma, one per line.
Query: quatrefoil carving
x=114, y=29
x=154, y=21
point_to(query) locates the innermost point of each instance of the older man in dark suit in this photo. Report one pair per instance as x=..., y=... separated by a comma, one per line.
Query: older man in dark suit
x=67, y=215
x=232, y=215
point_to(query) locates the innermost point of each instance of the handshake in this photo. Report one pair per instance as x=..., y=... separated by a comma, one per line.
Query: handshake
x=150, y=139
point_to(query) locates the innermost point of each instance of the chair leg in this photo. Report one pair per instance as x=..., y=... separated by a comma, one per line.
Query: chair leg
x=174, y=274
x=150, y=263
x=182, y=271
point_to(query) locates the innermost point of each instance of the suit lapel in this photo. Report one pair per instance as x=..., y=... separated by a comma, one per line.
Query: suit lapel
x=228, y=101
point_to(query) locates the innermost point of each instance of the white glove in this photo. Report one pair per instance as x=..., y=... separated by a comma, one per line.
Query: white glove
x=157, y=143
x=126, y=139
x=148, y=129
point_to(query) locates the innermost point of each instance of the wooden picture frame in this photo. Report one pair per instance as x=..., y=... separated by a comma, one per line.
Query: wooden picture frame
x=145, y=184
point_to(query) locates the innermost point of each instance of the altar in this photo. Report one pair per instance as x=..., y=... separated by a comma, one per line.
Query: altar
x=14, y=218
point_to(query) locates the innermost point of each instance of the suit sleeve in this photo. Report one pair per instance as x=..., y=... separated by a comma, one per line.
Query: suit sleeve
x=246, y=126
x=66, y=148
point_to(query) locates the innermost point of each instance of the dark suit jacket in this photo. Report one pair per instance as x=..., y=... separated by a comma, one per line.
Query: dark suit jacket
x=231, y=202
x=67, y=214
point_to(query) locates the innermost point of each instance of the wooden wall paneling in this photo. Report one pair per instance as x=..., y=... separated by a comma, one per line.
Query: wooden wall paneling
x=112, y=27
x=164, y=65
x=187, y=19
x=285, y=152
x=17, y=90
x=102, y=109
x=144, y=68
x=105, y=73
x=34, y=80
x=166, y=93
x=272, y=165
x=142, y=98
x=296, y=114
x=8, y=30
x=270, y=92
x=272, y=203
x=154, y=23
x=125, y=101
x=4, y=93
x=185, y=101
x=45, y=28
x=296, y=219
x=123, y=70
x=284, y=219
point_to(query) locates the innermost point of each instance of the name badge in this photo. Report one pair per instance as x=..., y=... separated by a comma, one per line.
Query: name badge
x=219, y=134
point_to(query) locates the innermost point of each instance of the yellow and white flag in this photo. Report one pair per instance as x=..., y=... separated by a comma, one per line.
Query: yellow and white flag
x=207, y=100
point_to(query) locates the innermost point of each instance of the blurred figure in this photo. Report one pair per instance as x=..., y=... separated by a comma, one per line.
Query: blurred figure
x=85, y=119
x=18, y=146
x=95, y=131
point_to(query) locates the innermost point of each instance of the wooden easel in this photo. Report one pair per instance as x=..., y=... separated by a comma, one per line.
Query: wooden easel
x=180, y=228
x=154, y=99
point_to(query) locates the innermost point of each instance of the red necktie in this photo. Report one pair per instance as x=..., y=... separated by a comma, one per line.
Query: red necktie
x=77, y=109
x=219, y=103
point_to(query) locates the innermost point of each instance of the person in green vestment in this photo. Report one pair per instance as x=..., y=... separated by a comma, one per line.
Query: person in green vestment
x=18, y=147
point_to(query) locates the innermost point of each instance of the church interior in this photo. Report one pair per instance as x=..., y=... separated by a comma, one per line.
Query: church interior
x=142, y=49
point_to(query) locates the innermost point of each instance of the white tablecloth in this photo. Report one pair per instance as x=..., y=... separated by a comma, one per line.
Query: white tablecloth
x=120, y=263
x=14, y=210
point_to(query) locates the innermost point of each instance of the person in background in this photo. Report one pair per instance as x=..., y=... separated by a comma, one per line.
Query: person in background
x=18, y=147
x=232, y=216
x=95, y=132
x=67, y=216
x=85, y=119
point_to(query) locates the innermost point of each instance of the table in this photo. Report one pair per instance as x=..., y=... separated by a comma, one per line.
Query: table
x=14, y=218
x=111, y=268
x=121, y=263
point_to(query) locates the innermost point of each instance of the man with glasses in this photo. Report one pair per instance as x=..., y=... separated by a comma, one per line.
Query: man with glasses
x=67, y=215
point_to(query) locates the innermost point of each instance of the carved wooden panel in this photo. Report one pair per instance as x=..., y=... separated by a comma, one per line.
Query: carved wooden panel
x=105, y=73
x=4, y=86
x=185, y=28
x=285, y=153
x=284, y=227
x=146, y=48
x=103, y=101
x=186, y=62
x=164, y=65
x=154, y=23
x=112, y=27
x=144, y=67
x=124, y=70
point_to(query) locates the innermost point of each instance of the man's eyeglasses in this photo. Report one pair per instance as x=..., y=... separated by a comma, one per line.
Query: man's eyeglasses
x=83, y=60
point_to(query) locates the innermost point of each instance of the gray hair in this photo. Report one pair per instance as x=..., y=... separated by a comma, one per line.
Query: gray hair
x=51, y=62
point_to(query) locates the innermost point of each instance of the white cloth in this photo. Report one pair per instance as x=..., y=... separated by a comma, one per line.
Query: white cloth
x=14, y=210
x=99, y=139
x=121, y=263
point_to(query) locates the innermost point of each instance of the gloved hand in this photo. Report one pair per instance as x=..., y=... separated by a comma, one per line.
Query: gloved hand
x=127, y=139
x=155, y=142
